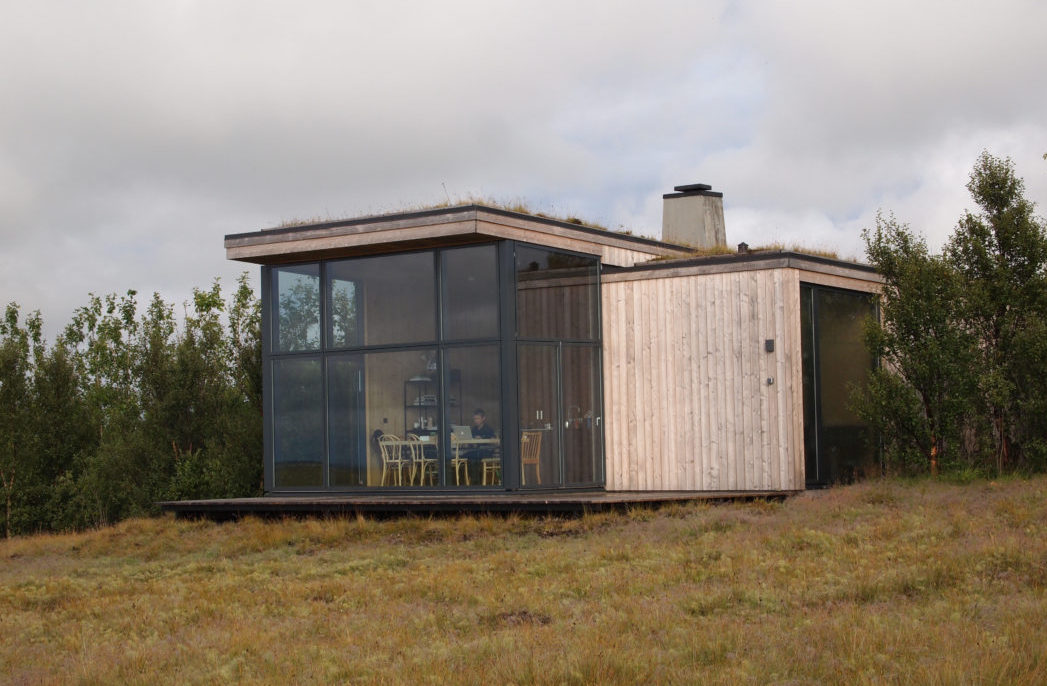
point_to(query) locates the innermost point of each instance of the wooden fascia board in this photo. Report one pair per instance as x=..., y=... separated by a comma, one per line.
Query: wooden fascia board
x=560, y=236
x=841, y=281
x=810, y=271
x=258, y=251
x=283, y=245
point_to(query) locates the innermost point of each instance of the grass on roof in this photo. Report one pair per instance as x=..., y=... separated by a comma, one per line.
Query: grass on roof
x=517, y=205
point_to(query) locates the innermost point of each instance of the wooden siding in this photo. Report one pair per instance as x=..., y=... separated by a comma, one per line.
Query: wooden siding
x=686, y=397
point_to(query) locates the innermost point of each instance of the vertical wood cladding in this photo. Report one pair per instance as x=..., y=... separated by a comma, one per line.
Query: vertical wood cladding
x=687, y=402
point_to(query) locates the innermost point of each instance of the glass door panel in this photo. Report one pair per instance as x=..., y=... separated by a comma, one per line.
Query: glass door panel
x=539, y=403
x=845, y=442
x=838, y=445
x=581, y=420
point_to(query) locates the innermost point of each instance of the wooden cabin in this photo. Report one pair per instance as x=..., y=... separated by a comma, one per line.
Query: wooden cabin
x=473, y=349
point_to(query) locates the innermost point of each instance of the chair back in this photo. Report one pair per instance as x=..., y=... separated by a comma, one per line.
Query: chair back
x=530, y=453
x=387, y=443
x=414, y=447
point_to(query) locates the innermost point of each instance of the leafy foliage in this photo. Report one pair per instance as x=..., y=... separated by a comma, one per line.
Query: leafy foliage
x=963, y=335
x=921, y=397
x=129, y=407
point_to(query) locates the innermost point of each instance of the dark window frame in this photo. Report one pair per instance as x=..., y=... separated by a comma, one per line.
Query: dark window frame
x=813, y=289
x=506, y=342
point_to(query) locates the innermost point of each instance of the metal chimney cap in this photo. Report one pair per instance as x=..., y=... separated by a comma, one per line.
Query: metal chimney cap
x=693, y=189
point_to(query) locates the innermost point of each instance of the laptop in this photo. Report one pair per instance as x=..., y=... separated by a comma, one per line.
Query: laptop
x=462, y=433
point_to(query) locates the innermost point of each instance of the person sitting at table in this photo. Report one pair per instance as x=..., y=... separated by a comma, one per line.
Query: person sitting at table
x=481, y=429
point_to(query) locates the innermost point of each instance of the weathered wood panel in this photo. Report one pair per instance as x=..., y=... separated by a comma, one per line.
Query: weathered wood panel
x=692, y=399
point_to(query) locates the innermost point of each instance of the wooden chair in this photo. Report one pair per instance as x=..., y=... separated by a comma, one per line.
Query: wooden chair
x=392, y=457
x=492, y=467
x=419, y=462
x=530, y=454
x=458, y=462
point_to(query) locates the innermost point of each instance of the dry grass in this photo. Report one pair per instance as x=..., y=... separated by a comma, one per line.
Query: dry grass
x=884, y=582
x=717, y=250
x=518, y=205
x=805, y=250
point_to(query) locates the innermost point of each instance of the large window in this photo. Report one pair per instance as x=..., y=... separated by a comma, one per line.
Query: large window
x=838, y=445
x=470, y=293
x=298, y=433
x=385, y=300
x=474, y=411
x=558, y=357
x=296, y=300
x=557, y=295
x=363, y=389
x=402, y=371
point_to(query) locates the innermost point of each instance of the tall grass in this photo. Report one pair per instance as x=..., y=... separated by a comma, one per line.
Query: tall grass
x=884, y=582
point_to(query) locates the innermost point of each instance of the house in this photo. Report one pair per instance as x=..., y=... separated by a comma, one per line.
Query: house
x=480, y=350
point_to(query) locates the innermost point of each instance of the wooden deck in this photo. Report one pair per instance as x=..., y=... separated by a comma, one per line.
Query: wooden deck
x=386, y=504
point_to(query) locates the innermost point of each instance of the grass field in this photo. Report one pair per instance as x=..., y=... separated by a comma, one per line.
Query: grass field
x=884, y=582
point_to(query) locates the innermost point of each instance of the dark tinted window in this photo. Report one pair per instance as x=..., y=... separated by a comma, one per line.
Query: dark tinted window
x=298, y=423
x=557, y=295
x=296, y=299
x=470, y=293
x=381, y=300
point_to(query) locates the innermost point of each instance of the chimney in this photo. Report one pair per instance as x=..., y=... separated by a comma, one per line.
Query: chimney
x=693, y=216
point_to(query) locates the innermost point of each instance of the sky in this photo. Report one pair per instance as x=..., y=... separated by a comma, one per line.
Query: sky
x=135, y=135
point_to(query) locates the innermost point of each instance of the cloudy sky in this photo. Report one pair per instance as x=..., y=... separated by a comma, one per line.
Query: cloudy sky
x=135, y=135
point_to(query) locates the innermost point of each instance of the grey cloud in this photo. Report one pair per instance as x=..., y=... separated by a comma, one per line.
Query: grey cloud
x=135, y=135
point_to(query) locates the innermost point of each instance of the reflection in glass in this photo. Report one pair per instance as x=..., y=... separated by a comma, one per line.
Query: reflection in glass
x=557, y=295
x=474, y=401
x=845, y=444
x=581, y=422
x=381, y=300
x=470, y=292
x=342, y=311
x=298, y=423
x=382, y=368
x=810, y=386
x=296, y=292
x=540, y=412
x=839, y=446
x=346, y=421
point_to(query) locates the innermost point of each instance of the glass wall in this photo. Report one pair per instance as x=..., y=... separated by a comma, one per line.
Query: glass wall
x=470, y=293
x=387, y=371
x=540, y=414
x=347, y=437
x=838, y=445
x=298, y=422
x=583, y=447
x=558, y=358
x=384, y=300
x=296, y=296
x=474, y=412
x=557, y=295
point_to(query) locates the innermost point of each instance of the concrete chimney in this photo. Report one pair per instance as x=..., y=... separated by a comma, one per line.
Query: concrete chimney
x=693, y=216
